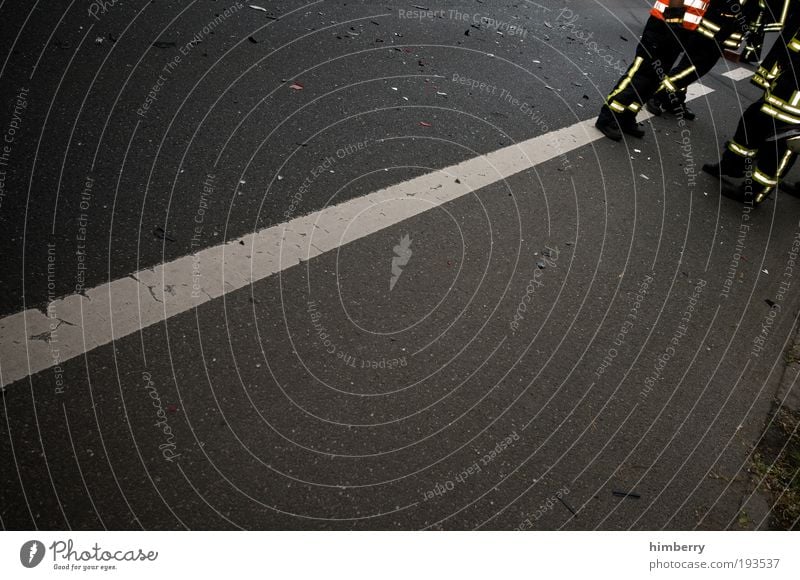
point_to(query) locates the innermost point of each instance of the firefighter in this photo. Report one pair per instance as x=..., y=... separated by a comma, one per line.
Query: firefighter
x=777, y=110
x=659, y=47
x=723, y=26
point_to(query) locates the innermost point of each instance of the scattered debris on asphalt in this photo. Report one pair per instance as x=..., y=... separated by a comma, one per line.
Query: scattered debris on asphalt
x=566, y=505
x=162, y=235
x=547, y=253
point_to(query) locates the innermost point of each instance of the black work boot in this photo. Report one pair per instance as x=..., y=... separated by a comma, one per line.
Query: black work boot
x=683, y=110
x=612, y=124
x=656, y=106
x=608, y=125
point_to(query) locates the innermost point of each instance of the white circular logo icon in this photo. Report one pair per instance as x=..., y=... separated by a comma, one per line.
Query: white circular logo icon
x=31, y=553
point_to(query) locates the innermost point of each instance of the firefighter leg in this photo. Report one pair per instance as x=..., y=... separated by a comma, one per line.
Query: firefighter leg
x=753, y=129
x=774, y=161
x=658, y=47
x=703, y=50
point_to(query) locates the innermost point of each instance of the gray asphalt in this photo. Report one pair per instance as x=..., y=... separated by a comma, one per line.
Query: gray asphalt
x=530, y=368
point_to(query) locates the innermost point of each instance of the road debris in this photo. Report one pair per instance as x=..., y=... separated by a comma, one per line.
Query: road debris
x=566, y=505
x=629, y=494
x=162, y=235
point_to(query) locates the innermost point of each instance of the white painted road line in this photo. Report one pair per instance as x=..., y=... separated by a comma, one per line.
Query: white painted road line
x=738, y=74
x=32, y=341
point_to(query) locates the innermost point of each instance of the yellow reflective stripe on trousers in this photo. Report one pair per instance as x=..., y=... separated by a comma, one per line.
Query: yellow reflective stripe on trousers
x=637, y=62
x=762, y=178
x=710, y=25
x=782, y=105
x=706, y=32
x=739, y=150
x=683, y=74
x=787, y=157
x=616, y=107
x=773, y=112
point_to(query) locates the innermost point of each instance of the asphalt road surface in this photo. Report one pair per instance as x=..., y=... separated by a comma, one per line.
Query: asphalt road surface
x=358, y=265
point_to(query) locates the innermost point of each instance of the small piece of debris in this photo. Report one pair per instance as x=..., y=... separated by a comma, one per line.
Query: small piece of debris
x=259, y=8
x=163, y=44
x=623, y=38
x=769, y=302
x=425, y=124
x=99, y=40
x=253, y=40
x=643, y=176
x=296, y=86
x=629, y=494
x=161, y=234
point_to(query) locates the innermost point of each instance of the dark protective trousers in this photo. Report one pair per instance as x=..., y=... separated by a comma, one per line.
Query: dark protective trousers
x=657, y=50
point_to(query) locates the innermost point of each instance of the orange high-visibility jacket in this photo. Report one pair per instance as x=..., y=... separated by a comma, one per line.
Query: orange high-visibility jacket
x=694, y=11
